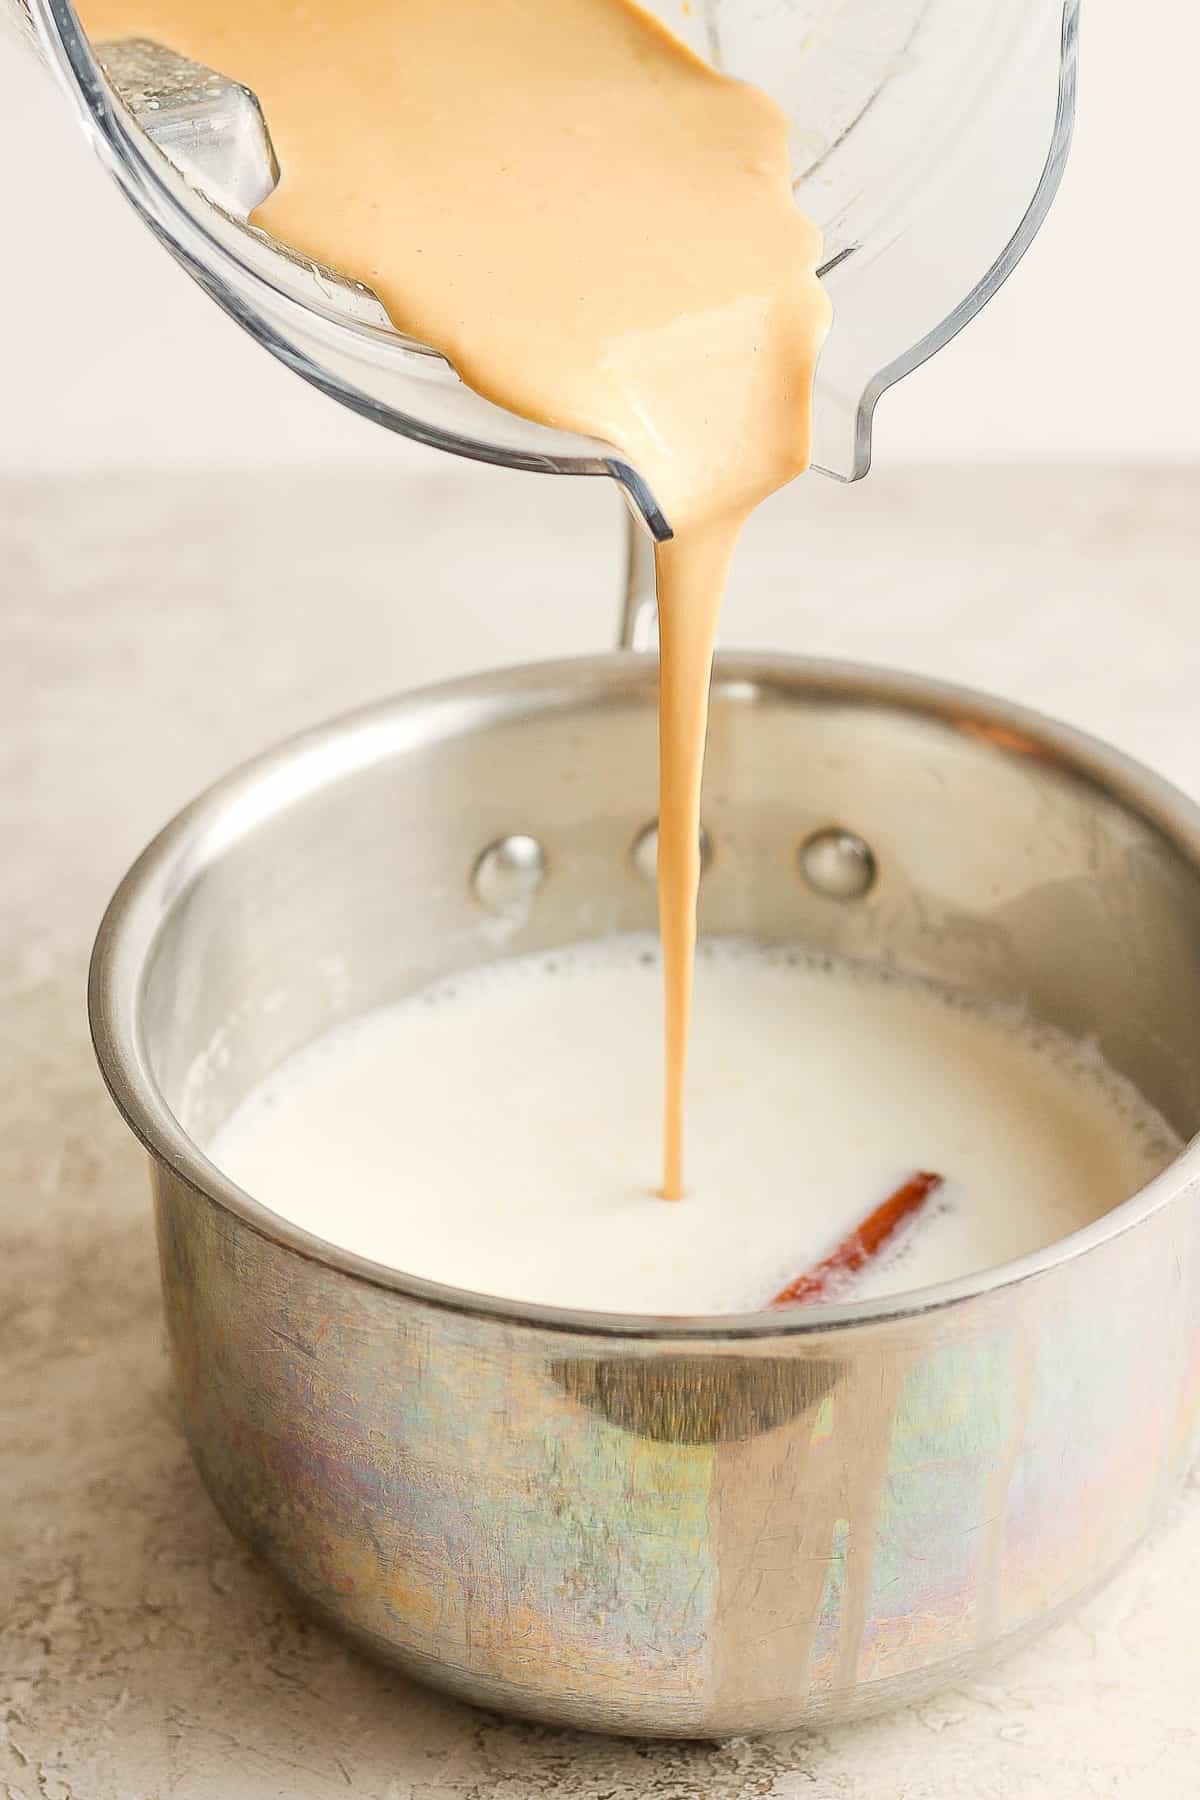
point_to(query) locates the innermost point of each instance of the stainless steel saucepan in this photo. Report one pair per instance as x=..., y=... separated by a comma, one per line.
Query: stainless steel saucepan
x=671, y=1527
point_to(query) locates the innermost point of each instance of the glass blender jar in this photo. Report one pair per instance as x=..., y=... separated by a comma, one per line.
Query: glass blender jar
x=928, y=140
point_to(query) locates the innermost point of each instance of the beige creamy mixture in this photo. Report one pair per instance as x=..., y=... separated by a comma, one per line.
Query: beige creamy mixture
x=599, y=232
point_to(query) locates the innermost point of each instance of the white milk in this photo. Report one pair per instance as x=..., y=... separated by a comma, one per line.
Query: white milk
x=500, y=1131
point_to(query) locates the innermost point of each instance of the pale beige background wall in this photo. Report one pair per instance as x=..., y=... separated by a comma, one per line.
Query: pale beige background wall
x=111, y=357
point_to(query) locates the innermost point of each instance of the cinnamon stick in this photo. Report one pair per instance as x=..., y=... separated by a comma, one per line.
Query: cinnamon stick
x=862, y=1245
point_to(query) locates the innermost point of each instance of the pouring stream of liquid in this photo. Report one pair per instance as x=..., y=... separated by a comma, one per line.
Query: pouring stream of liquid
x=598, y=230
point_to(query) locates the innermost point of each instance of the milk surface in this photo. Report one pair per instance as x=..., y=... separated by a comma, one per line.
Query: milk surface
x=499, y=1131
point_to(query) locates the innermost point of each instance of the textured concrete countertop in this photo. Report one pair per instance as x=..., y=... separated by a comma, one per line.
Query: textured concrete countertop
x=151, y=634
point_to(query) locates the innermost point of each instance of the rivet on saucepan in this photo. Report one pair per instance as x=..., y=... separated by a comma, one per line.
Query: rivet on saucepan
x=838, y=864
x=645, y=851
x=509, y=873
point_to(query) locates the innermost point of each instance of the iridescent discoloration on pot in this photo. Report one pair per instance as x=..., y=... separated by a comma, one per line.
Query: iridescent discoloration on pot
x=670, y=1527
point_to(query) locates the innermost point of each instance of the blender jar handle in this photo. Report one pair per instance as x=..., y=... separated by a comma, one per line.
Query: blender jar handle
x=639, y=603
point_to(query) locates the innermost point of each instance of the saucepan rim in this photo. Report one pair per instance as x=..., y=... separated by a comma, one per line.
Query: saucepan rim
x=300, y=765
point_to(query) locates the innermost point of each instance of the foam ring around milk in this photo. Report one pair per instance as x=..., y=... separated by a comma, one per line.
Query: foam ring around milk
x=491, y=1131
